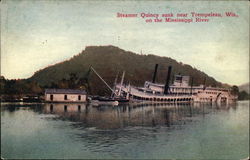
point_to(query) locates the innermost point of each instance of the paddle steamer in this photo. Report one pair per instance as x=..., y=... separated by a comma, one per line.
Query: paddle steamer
x=178, y=92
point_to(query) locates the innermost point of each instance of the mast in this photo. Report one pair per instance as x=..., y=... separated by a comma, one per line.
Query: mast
x=121, y=83
x=101, y=79
x=128, y=91
x=113, y=93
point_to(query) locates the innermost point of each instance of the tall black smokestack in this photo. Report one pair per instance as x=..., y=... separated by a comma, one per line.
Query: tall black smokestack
x=168, y=79
x=204, y=83
x=155, y=73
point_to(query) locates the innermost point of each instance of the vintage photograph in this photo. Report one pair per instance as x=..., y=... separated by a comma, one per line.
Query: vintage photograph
x=125, y=79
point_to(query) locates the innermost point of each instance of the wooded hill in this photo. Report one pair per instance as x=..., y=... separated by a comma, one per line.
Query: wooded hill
x=108, y=61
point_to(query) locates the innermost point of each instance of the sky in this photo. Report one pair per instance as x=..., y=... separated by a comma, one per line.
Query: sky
x=36, y=34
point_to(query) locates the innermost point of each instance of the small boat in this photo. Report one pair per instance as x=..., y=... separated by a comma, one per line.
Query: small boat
x=31, y=99
x=103, y=101
x=114, y=99
x=98, y=102
x=121, y=100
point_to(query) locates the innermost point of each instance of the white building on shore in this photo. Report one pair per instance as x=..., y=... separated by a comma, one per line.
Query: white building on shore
x=65, y=95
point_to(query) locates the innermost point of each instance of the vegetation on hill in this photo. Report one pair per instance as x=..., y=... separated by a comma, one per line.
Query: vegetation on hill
x=108, y=61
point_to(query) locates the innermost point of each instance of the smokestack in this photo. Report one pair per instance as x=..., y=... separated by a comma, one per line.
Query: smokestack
x=192, y=81
x=168, y=79
x=154, y=77
x=204, y=84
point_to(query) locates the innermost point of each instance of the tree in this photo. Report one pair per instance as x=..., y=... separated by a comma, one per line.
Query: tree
x=235, y=90
x=243, y=95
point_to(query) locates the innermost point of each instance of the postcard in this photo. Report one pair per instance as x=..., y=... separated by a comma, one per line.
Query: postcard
x=126, y=79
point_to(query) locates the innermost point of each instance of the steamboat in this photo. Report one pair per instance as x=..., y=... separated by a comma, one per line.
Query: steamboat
x=178, y=92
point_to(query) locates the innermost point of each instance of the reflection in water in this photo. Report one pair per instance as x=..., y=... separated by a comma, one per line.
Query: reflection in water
x=122, y=116
x=12, y=107
x=124, y=131
x=106, y=126
x=108, y=117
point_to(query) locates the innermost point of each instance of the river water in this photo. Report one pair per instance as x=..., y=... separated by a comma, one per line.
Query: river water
x=198, y=131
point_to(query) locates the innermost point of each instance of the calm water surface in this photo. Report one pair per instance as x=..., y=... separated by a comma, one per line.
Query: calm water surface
x=136, y=131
